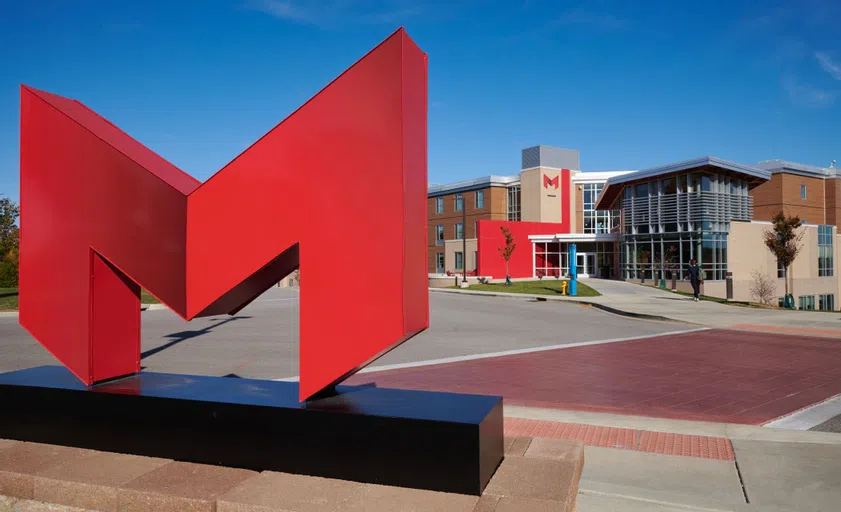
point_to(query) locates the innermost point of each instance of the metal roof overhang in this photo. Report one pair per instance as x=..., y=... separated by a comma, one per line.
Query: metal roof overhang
x=614, y=186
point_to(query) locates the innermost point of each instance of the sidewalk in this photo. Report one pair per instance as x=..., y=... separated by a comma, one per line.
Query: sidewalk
x=631, y=463
x=652, y=303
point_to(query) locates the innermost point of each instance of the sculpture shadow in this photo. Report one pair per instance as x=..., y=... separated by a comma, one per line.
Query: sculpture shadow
x=178, y=337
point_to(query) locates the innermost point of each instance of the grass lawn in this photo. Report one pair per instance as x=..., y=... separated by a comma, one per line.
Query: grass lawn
x=8, y=299
x=147, y=298
x=544, y=287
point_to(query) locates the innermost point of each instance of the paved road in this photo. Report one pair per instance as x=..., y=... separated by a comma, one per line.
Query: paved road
x=261, y=341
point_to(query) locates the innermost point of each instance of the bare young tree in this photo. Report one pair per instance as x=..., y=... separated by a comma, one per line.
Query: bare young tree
x=507, y=250
x=762, y=288
x=784, y=240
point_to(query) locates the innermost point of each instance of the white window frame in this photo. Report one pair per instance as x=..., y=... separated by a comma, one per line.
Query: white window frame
x=439, y=205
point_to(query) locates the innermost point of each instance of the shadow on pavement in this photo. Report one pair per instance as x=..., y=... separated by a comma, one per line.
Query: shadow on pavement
x=178, y=337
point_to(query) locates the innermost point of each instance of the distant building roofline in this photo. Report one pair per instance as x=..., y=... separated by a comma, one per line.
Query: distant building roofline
x=777, y=166
x=610, y=191
x=472, y=184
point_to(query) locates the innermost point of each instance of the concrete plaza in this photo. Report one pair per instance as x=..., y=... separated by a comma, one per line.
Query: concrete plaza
x=638, y=460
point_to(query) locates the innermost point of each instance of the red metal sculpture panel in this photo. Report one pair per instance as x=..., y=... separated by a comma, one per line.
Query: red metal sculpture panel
x=338, y=189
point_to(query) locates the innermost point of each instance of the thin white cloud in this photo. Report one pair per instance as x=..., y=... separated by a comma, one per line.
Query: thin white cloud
x=599, y=20
x=326, y=13
x=808, y=95
x=829, y=65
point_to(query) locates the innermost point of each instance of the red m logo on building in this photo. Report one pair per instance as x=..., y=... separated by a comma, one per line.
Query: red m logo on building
x=551, y=182
x=103, y=215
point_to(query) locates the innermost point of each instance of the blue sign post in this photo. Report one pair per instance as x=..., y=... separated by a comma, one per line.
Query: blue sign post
x=573, y=271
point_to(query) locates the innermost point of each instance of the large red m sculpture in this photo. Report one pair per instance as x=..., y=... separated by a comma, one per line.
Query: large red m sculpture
x=337, y=189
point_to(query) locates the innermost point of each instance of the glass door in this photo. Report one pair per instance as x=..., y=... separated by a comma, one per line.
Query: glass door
x=592, y=270
x=581, y=264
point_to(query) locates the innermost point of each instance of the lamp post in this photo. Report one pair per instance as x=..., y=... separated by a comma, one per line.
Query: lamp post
x=463, y=238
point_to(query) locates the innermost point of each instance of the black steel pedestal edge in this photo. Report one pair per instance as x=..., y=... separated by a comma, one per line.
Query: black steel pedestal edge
x=425, y=440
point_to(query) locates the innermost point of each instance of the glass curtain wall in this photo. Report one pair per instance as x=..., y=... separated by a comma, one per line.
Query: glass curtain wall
x=669, y=221
x=597, y=221
x=551, y=259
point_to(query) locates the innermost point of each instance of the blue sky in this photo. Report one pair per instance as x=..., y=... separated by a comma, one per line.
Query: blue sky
x=630, y=84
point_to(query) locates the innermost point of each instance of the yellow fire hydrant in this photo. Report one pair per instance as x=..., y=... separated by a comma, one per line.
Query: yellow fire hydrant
x=564, y=285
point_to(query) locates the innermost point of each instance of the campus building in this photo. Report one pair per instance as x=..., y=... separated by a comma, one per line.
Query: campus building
x=548, y=205
x=643, y=225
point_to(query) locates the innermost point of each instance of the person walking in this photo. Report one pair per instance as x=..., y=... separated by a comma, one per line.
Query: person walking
x=693, y=273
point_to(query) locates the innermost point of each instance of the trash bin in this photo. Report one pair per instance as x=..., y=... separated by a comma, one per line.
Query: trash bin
x=789, y=302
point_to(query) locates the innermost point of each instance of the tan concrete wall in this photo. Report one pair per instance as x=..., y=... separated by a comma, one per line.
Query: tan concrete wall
x=530, y=186
x=747, y=252
x=451, y=247
x=539, y=203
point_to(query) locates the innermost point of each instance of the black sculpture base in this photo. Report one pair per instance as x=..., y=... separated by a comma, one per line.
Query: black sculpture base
x=439, y=441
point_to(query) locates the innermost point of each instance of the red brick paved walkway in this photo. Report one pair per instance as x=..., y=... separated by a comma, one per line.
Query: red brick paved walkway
x=704, y=447
x=718, y=375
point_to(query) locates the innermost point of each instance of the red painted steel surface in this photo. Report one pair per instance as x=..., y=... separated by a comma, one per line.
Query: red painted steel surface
x=100, y=212
x=490, y=239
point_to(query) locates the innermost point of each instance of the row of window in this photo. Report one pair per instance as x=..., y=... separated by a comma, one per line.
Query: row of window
x=688, y=183
x=439, y=261
x=659, y=256
x=459, y=232
x=478, y=202
x=826, y=302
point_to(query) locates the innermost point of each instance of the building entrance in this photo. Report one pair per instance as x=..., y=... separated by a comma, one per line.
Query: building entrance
x=586, y=263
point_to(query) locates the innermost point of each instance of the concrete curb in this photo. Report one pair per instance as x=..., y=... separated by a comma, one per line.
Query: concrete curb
x=597, y=305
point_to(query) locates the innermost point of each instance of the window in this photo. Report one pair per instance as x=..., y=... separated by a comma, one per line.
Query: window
x=459, y=202
x=802, y=191
x=439, y=205
x=596, y=221
x=781, y=270
x=439, y=234
x=825, y=256
x=806, y=302
x=706, y=183
x=460, y=261
x=459, y=231
x=439, y=262
x=480, y=199
x=514, y=203
x=826, y=302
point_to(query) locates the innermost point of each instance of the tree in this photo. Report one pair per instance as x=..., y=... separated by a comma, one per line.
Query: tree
x=507, y=250
x=784, y=240
x=762, y=288
x=9, y=243
x=668, y=262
